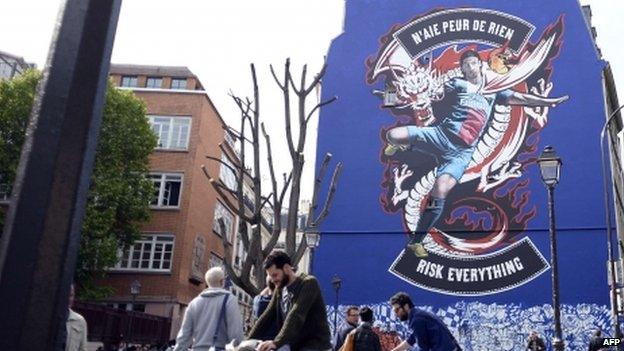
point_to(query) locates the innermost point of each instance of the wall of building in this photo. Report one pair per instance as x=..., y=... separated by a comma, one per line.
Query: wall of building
x=167, y=294
x=498, y=210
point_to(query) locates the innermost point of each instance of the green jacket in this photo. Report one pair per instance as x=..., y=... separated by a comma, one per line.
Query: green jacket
x=305, y=325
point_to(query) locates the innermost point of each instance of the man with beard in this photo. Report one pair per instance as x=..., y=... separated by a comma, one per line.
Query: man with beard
x=535, y=342
x=351, y=322
x=426, y=328
x=297, y=307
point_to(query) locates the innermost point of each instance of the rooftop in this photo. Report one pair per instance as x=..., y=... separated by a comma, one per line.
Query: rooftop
x=170, y=71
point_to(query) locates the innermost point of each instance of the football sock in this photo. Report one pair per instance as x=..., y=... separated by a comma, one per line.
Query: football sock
x=429, y=217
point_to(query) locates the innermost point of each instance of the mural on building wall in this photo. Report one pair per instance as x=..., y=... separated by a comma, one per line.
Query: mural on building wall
x=469, y=94
x=486, y=327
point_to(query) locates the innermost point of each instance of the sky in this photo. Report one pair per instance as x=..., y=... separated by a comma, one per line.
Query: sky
x=218, y=40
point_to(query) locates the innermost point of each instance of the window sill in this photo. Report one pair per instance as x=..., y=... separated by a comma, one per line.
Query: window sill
x=155, y=208
x=136, y=271
x=157, y=149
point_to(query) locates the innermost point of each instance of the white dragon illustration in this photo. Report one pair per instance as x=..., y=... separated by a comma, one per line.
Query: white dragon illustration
x=418, y=86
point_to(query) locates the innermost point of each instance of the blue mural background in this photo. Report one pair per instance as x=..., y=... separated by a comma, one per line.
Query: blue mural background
x=360, y=241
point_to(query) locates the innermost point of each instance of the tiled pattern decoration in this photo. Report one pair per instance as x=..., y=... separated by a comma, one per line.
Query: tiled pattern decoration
x=486, y=327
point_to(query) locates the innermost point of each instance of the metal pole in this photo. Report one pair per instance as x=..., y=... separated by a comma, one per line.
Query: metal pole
x=336, y=311
x=558, y=340
x=131, y=320
x=311, y=263
x=41, y=237
x=605, y=177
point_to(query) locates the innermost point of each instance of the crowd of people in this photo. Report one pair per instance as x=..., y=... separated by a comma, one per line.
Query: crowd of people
x=290, y=314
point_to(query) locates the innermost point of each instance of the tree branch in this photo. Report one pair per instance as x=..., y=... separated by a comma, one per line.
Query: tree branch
x=330, y=195
x=275, y=234
x=304, y=72
x=245, y=284
x=266, y=200
x=319, y=105
x=226, y=165
x=317, y=79
x=285, y=188
x=277, y=81
x=224, y=197
x=300, y=251
x=270, y=160
x=239, y=102
x=317, y=187
x=287, y=116
x=235, y=132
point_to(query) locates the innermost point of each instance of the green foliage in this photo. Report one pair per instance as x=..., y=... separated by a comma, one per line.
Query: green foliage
x=16, y=99
x=119, y=192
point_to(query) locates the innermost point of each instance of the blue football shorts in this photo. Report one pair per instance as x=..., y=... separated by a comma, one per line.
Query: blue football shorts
x=452, y=158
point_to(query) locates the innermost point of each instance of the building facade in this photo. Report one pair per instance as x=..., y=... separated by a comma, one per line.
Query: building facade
x=11, y=65
x=182, y=239
x=487, y=269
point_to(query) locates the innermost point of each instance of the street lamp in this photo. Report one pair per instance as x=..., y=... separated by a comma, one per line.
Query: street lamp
x=605, y=177
x=550, y=169
x=313, y=239
x=336, y=283
x=135, y=290
x=389, y=96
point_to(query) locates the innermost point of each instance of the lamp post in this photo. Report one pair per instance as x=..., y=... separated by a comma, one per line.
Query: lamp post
x=550, y=169
x=388, y=95
x=336, y=283
x=135, y=290
x=605, y=177
x=313, y=239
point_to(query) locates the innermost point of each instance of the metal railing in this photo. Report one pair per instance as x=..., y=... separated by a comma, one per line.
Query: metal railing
x=109, y=325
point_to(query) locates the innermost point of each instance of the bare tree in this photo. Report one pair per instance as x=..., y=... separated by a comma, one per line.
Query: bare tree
x=251, y=276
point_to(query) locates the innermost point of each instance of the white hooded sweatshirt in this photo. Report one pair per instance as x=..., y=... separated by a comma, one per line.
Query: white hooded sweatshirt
x=201, y=318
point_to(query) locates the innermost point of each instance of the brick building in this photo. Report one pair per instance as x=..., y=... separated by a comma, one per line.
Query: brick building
x=182, y=239
x=12, y=65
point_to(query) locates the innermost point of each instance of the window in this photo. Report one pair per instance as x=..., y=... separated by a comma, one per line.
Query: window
x=228, y=220
x=215, y=260
x=150, y=253
x=229, y=139
x=5, y=192
x=167, y=190
x=226, y=174
x=129, y=81
x=620, y=136
x=240, y=255
x=138, y=307
x=6, y=70
x=178, y=83
x=172, y=132
x=153, y=82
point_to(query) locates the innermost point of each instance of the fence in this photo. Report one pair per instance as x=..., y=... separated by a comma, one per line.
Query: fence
x=109, y=325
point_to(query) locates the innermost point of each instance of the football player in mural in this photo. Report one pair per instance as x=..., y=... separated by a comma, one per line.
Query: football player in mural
x=453, y=140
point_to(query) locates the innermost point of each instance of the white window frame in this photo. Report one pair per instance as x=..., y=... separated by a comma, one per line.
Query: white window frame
x=227, y=176
x=620, y=136
x=211, y=260
x=179, y=88
x=167, y=240
x=147, y=80
x=240, y=252
x=221, y=211
x=136, y=81
x=166, y=144
x=161, y=191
